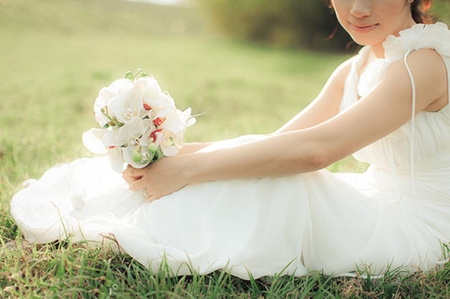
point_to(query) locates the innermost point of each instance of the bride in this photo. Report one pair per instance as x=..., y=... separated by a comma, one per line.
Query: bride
x=263, y=204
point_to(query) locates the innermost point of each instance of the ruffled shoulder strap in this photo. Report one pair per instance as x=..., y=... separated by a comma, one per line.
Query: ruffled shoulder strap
x=420, y=36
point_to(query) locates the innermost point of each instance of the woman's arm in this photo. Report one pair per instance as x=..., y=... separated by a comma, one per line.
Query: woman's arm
x=192, y=147
x=293, y=151
x=325, y=105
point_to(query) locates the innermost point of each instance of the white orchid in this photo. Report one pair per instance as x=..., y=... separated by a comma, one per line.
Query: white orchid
x=116, y=89
x=139, y=122
x=126, y=106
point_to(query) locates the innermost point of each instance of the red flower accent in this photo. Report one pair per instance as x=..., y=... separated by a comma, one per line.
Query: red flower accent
x=153, y=134
x=158, y=121
x=147, y=107
x=112, y=147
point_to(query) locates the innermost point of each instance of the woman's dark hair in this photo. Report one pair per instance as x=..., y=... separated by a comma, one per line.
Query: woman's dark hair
x=419, y=11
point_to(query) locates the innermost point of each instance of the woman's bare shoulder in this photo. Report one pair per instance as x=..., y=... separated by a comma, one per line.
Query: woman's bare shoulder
x=429, y=72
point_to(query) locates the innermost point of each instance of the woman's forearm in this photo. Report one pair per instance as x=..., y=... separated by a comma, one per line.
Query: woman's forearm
x=275, y=155
x=192, y=147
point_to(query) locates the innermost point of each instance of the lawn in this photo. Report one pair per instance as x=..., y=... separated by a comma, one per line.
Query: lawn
x=55, y=57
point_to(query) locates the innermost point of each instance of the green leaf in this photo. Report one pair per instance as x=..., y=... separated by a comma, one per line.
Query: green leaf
x=129, y=75
x=136, y=156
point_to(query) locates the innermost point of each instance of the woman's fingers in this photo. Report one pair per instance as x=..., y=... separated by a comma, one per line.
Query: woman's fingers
x=155, y=180
x=146, y=194
x=138, y=184
x=133, y=172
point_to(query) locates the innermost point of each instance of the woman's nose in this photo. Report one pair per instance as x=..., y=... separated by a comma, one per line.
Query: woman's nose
x=361, y=8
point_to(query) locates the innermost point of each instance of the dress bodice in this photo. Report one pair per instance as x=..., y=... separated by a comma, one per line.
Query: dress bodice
x=424, y=142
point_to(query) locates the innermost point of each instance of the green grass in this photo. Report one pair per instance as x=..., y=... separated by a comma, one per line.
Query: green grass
x=55, y=57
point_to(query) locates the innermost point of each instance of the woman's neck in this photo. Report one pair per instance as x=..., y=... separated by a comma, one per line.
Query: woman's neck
x=378, y=50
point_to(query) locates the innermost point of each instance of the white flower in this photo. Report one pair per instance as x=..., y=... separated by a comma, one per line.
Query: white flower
x=106, y=94
x=126, y=135
x=187, y=117
x=92, y=140
x=139, y=123
x=116, y=160
x=126, y=106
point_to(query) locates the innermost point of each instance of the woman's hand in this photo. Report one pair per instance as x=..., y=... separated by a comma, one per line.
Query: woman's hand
x=157, y=179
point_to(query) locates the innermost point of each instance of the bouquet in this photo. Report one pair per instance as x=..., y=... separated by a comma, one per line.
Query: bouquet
x=139, y=122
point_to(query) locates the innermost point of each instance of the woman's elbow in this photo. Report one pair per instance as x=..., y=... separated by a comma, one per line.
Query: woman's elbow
x=316, y=160
x=317, y=154
x=320, y=161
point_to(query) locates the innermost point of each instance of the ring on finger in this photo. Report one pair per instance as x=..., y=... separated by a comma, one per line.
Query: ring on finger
x=146, y=194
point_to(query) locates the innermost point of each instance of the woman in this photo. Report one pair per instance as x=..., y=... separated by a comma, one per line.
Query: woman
x=265, y=204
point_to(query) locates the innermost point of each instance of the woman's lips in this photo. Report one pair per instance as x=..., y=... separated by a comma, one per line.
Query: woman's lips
x=363, y=28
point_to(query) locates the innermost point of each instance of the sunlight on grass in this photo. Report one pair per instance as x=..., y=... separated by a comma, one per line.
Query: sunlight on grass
x=56, y=55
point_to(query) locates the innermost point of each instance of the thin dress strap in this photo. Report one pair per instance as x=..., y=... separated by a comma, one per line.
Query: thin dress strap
x=413, y=124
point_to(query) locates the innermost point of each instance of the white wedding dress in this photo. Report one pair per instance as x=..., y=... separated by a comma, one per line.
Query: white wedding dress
x=397, y=214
